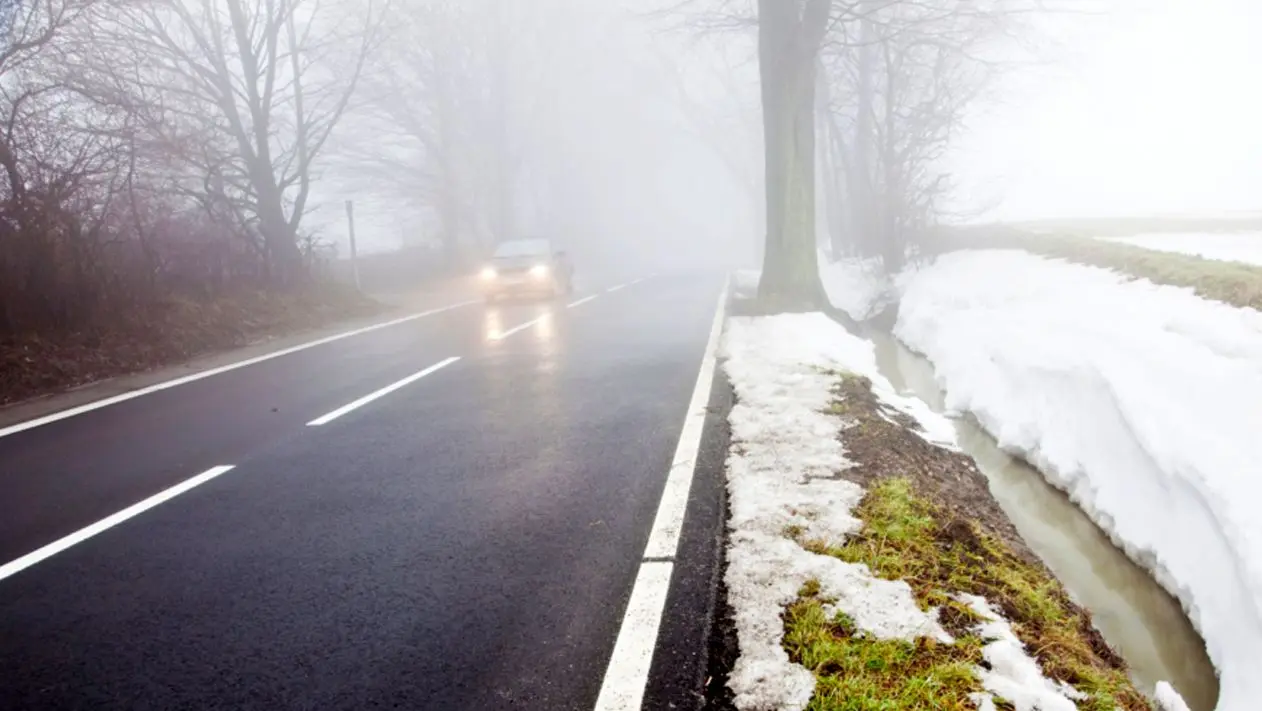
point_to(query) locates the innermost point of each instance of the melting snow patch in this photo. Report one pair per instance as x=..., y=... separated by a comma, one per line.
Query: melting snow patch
x=1013, y=675
x=781, y=477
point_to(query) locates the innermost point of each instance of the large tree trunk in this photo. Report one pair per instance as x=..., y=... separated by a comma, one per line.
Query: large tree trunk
x=284, y=257
x=789, y=35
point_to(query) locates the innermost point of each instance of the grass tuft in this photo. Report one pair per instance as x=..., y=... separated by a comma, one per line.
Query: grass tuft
x=855, y=672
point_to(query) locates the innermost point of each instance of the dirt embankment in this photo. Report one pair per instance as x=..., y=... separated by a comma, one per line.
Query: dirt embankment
x=38, y=364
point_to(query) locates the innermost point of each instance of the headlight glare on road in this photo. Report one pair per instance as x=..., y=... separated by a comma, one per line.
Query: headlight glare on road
x=489, y=273
x=539, y=271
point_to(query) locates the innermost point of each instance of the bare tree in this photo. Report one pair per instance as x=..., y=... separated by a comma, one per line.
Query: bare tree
x=454, y=102
x=255, y=89
x=424, y=110
x=59, y=157
x=901, y=77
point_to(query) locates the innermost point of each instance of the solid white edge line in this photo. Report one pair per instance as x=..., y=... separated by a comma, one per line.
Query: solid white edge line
x=664, y=538
x=627, y=675
x=83, y=534
x=517, y=329
x=351, y=407
x=624, y=683
x=581, y=301
x=131, y=395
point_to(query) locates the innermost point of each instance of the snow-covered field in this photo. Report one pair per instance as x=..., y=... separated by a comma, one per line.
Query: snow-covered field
x=1220, y=246
x=1143, y=402
x=784, y=454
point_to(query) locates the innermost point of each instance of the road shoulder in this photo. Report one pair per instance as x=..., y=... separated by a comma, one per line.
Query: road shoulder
x=681, y=664
x=87, y=394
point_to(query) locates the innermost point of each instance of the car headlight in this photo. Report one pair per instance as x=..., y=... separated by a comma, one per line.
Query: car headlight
x=489, y=273
x=539, y=271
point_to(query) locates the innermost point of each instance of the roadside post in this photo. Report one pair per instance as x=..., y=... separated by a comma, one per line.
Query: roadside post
x=350, y=220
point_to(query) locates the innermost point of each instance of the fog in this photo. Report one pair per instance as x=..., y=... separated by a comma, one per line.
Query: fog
x=636, y=134
x=614, y=144
x=1148, y=108
x=206, y=140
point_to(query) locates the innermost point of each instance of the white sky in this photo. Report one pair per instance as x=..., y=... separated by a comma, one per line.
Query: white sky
x=1154, y=109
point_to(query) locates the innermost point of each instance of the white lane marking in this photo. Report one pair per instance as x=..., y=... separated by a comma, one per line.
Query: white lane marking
x=664, y=538
x=350, y=407
x=123, y=397
x=581, y=301
x=83, y=534
x=628, y=672
x=623, y=687
x=612, y=289
x=517, y=329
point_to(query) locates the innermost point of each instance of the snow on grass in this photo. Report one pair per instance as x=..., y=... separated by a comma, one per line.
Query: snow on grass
x=1245, y=247
x=784, y=456
x=1142, y=402
x=785, y=452
x=1012, y=674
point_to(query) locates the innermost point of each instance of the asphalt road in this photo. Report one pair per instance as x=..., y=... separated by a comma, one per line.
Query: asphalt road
x=466, y=541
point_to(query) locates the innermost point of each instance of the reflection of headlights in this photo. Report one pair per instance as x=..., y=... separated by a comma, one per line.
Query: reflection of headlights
x=489, y=273
x=539, y=271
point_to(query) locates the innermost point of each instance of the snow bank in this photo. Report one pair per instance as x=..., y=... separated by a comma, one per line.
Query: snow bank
x=784, y=456
x=1220, y=246
x=1168, y=699
x=1142, y=402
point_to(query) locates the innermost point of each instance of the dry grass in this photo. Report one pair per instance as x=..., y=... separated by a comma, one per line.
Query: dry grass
x=1124, y=226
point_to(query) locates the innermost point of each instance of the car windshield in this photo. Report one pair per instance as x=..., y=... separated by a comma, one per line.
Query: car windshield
x=522, y=248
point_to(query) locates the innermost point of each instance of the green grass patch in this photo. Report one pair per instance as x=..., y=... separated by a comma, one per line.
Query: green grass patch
x=855, y=672
x=907, y=537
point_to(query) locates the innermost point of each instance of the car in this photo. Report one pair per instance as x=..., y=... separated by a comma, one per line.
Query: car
x=527, y=267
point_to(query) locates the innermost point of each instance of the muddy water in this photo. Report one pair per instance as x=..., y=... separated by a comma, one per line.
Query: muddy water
x=1135, y=614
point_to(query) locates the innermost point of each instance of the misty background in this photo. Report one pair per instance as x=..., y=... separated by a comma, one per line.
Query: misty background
x=639, y=133
x=1146, y=110
x=153, y=147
